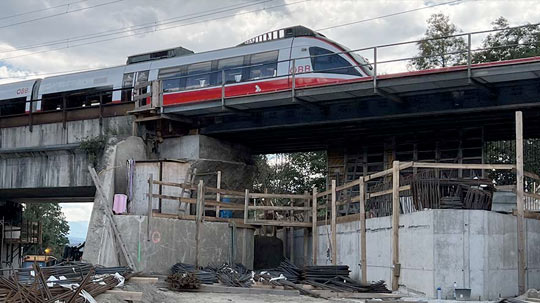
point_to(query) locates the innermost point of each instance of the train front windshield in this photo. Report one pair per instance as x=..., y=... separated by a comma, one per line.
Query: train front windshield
x=326, y=61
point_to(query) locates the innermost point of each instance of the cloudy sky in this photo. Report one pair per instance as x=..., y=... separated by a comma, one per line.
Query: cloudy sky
x=43, y=37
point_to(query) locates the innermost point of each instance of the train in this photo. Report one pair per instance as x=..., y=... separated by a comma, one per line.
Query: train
x=263, y=64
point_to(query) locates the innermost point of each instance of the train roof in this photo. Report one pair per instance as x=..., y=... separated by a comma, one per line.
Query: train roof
x=158, y=59
x=284, y=33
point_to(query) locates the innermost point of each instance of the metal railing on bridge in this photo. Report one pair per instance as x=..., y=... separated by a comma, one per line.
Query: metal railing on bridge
x=379, y=65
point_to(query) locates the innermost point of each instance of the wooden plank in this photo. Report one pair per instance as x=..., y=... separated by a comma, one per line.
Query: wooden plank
x=395, y=226
x=324, y=193
x=531, y=175
x=279, y=196
x=348, y=185
x=334, y=226
x=144, y=280
x=520, y=201
x=464, y=166
x=314, y=231
x=218, y=194
x=532, y=195
x=387, y=192
x=199, y=212
x=150, y=201
x=232, y=206
x=109, y=214
x=142, y=96
x=126, y=295
x=278, y=223
x=356, y=295
x=246, y=204
x=363, y=241
x=228, y=192
x=306, y=231
x=378, y=175
x=528, y=214
x=239, y=222
x=244, y=290
x=182, y=185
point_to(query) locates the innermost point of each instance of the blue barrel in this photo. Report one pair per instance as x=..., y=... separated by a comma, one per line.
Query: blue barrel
x=225, y=213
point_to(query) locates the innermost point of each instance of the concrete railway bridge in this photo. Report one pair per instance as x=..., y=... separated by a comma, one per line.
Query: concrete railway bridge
x=444, y=115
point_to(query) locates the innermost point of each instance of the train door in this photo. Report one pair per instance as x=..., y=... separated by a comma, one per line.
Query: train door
x=300, y=63
x=33, y=102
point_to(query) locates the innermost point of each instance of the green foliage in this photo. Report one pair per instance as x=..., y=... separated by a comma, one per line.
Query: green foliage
x=504, y=152
x=94, y=147
x=441, y=52
x=55, y=226
x=290, y=173
x=510, y=43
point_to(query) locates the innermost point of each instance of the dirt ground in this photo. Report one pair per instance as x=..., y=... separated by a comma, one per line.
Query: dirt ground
x=156, y=294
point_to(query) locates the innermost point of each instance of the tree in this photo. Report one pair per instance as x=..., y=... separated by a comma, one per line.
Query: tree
x=509, y=43
x=292, y=173
x=441, y=52
x=506, y=44
x=55, y=227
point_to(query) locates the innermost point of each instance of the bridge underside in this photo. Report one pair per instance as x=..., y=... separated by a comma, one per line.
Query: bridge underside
x=354, y=113
x=50, y=195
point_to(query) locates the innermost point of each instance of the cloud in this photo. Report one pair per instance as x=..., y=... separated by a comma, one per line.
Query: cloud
x=223, y=32
x=77, y=211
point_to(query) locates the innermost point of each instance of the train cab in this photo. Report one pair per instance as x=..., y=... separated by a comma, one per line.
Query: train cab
x=15, y=98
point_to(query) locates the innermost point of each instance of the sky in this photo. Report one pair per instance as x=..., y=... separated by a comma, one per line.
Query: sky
x=39, y=38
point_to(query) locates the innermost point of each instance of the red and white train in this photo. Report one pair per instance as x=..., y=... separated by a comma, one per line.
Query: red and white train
x=260, y=65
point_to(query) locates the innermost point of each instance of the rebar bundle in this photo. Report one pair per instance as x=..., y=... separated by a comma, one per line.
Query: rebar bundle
x=181, y=281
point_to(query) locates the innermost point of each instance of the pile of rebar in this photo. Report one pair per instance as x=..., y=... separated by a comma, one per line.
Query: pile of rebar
x=181, y=281
x=40, y=289
x=234, y=276
x=290, y=271
x=324, y=272
x=204, y=276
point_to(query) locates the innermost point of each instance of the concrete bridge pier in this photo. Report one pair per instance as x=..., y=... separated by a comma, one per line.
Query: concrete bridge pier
x=167, y=240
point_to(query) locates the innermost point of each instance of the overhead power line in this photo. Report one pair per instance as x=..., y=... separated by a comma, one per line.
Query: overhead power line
x=147, y=25
x=151, y=30
x=41, y=10
x=181, y=25
x=59, y=14
x=390, y=15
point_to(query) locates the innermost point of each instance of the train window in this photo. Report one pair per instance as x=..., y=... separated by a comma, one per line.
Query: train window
x=232, y=74
x=77, y=98
x=142, y=77
x=199, y=75
x=13, y=106
x=127, y=82
x=326, y=61
x=265, y=65
x=173, y=78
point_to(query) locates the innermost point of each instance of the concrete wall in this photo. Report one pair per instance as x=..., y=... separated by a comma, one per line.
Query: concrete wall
x=55, y=134
x=474, y=248
x=67, y=168
x=173, y=240
x=48, y=156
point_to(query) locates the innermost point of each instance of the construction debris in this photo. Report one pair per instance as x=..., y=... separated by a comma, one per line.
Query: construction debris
x=330, y=277
x=73, y=283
